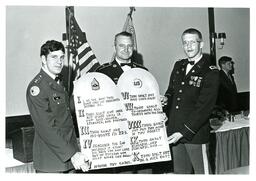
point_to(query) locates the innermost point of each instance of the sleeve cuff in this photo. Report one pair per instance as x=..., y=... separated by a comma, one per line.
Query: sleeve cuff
x=187, y=132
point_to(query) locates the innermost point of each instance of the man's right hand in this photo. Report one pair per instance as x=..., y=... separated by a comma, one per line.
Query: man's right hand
x=163, y=100
x=80, y=161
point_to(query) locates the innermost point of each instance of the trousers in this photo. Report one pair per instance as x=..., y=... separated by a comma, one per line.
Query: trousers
x=191, y=158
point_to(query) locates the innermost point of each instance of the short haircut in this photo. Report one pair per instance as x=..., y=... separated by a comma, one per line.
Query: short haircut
x=224, y=59
x=51, y=46
x=123, y=33
x=193, y=31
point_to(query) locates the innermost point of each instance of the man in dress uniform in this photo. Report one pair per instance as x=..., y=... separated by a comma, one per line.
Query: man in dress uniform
x=55, y=148
x=124, y=47
x=191, y=96
x=227, y=97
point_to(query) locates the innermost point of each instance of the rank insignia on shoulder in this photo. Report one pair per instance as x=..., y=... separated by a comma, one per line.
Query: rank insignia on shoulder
x=213, y=67
x=34, y=91
x=38, y=79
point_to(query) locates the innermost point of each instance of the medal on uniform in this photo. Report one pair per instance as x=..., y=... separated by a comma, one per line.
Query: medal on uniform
x=198, y=83
x=55, y=97
x=191, y=82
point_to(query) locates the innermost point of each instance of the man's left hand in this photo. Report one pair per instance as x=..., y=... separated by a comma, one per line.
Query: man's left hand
x=174, y=137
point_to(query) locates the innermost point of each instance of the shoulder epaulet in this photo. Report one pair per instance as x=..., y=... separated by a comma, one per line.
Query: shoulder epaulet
x=181, y=61
x=104, y=66
x=213, y=67
x=137, y=64
x=37, y=79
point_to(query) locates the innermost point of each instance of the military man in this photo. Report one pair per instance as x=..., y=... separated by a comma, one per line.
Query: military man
x=191, y=96
x=55, y=147
x=124, y=47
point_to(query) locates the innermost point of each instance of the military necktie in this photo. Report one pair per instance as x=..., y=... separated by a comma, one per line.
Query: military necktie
x=58, y=78
x=230, y=78
x=123, y=64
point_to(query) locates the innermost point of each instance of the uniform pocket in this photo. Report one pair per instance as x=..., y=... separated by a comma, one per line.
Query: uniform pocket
x=58, y=98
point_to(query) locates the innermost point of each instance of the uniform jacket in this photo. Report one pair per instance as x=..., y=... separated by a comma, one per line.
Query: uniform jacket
x=55, y=140
x=191, y=100
x=227, y=97
x=114, y=70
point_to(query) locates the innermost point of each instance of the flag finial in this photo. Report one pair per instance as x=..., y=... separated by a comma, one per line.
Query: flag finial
x=131, y=10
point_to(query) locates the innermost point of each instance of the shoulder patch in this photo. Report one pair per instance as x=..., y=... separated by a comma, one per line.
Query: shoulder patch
x=34, y=90
x=213, y=67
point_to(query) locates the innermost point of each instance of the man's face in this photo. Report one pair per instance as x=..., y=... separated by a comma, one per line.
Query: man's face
x=54, y=61
x=227, y=66
x=192, y=45
x=124, y=48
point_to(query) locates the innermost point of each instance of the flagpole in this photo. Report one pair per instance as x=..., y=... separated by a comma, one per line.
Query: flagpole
x=134, y=51
x=69, y=13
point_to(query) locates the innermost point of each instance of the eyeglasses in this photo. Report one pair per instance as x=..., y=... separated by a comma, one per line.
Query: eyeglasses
x=191, y=43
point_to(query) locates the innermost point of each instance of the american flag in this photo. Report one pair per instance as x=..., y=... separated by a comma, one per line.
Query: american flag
x=80, y=52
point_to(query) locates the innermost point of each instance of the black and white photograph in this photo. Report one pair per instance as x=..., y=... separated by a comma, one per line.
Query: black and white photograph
x=127, y=88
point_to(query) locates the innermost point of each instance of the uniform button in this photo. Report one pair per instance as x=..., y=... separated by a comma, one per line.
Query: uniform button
x=182, y=83
x=177, y=107
x=178, y=99
x=180, y=91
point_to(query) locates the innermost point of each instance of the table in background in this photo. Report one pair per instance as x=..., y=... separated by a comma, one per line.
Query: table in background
x=231, y=146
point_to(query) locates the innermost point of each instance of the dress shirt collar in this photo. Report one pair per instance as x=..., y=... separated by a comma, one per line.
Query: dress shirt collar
x=197, y=60
x=226, y=72
x=49, y=73
x=119, y=62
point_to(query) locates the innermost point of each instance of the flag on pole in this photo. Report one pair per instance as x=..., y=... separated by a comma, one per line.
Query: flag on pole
x=128, y=27
x=81, y=56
